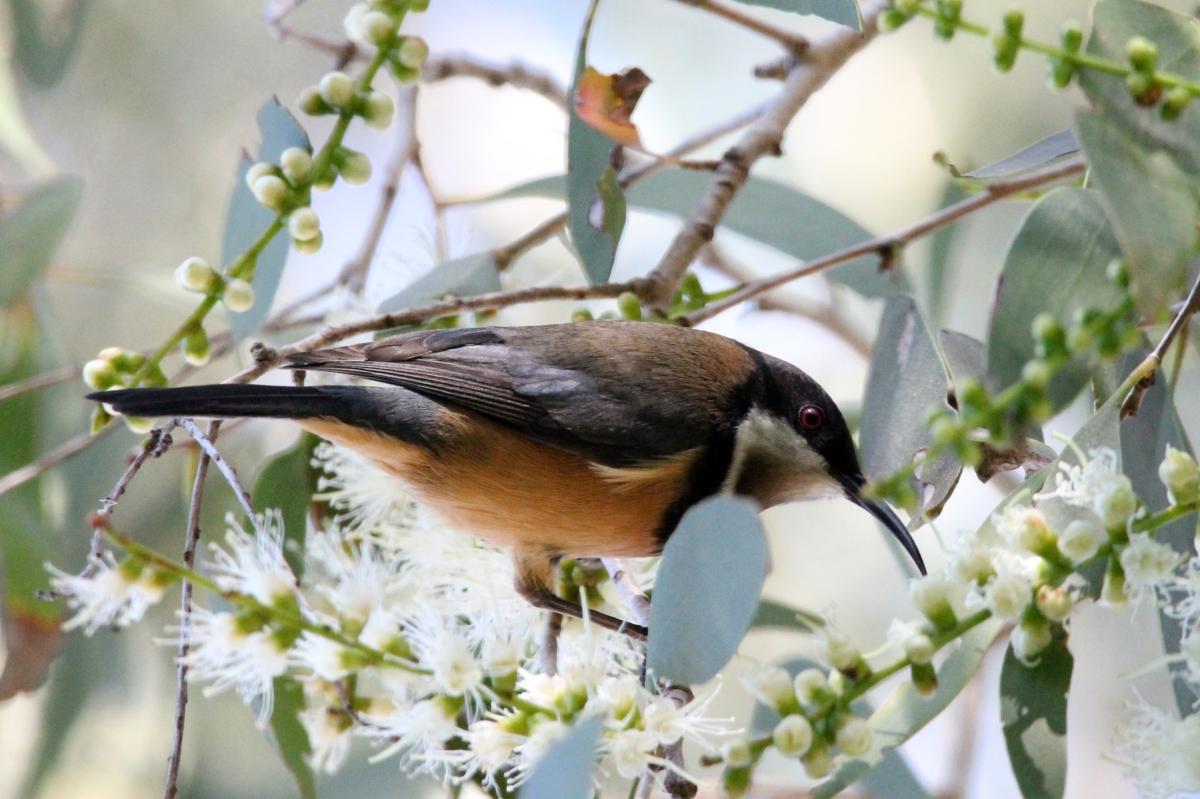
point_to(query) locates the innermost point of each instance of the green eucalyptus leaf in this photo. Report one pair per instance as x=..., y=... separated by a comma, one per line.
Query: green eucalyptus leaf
x=696, y=625
x=1177, y=38
x=906, y=379
x=247, y=219
x=965, y=355
x=1033, y=711
x=44, y=43
x=843, y=12
x=1041, y=153
x=942, y=245
x=776, y=614
x=565, y=770
x=1154, y=207
x=1057, y=265
x=766, y=211
x=289, y=734
x=287, y=482
x=462, y=277
x=1144, y=440
x=905, y=712
x=595, y=209
x=30, y=232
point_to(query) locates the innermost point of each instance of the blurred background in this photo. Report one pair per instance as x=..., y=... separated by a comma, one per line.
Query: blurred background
x=154, y=107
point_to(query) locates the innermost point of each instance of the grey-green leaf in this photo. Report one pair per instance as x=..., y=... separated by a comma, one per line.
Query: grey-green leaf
x=906, y=379
x=905, y=712
x=843, y=12
x=44, y=42
x=589, y=203
x=785, y=617
x=697, y=624
x=247, y=219
x=462, y=277
x=1041, y=153
x=30, y=232
x=1153, y=204
x=1114, y=23
x=565, y=770
x=287, y=482
x=1057, y=264
x=1033, y=710
x=289, y=734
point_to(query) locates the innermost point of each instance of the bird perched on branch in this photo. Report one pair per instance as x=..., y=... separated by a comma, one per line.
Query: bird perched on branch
x=589, y=439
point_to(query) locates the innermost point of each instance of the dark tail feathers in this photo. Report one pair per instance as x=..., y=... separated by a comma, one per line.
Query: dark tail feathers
x=226, y=400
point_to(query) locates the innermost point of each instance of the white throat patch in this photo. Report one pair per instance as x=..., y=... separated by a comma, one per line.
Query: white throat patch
x=765, y=438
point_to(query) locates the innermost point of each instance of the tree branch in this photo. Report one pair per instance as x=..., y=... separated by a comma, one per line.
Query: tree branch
x=44, y=380
x=823, y=58
x=517, y=74
x=1149, y=367
x=793, y=42
x=886, y=246
x=227, y=471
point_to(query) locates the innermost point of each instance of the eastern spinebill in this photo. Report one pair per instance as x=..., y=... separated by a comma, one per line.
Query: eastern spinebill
x=589, y=439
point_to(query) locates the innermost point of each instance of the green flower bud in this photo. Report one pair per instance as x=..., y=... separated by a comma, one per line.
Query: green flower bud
x=100, y=419
x=1062, y=72
x=325, y=181
x=1180, y=474
x=907, y=7
x=336, y=89
x=412, y=52
x=629, y=306
x=1143, y=53
x=1014, y=23
x=195, y=274
x=818, y=762
x=1054, y=603
x=310, y=102
x=405, y=76
x=138, y=424
x=257, y=171
x=238, y=296
x=581, y=315
x=1037, y=373
x=296, y=163
x=892, y=19
x=378, y=28
x=418, y=5
x=354, y=167
x=195, y=346
x=735, y=782
x=304, y=224
x=948, y=14
x=793, y=736
x=1177, y=100
x=156, y=378
x=378, y=110
x=854, y=736
x=1071, y=37
x=736, y=754
x=811, y=687
x=309, y=246
x=1004, y=51
x=944, y=431
x=100, y=375
x=271, y=191
x=1030, y=639
x=1143, y=88
x=924, y=678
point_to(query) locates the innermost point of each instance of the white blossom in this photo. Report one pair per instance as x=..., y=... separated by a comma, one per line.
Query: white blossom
x=771, y=685
x=418, y=734
x=1161, y=753
x=632, y=750
x=328, y=729
x=1008, y=594
x=253, y=563
x=1025, y=528
x=1082, y=538
x=1148, y=565
x=106, y=595
x=1097, y=483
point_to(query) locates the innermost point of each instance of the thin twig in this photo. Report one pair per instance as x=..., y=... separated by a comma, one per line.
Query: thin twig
x=823, y=58
x=185, y=617
x=886, y=246
x=1150, y=365
x=63, y=452
x=227, y=470
x=793, y=42
x=157, y=442
x=517, y=74
x=36, y=382
x=827, y=314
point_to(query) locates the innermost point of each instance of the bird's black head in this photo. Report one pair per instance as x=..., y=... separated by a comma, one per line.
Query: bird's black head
x=795, y=444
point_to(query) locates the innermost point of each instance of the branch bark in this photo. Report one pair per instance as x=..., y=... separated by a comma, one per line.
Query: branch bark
x=822, y=59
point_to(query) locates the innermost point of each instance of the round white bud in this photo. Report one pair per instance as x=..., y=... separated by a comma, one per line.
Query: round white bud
x=304, y=224
x=377, y=27
x=378, y=109
x=1008, y=595
x=271, y=191
x=1081, y=539
x=336, y=88
x=195, y=274
x=973, y=565
x=772, y=685
x=1180, y=474
x=296, y=163
x=793, y=736
x=309, y=246
x=811, y=686
x=1054, y=603
x=736, y=754
x=1030, y=639
x=919, y=648
x=1116, y=502
x=238, y=296
x=109, y=353
x=818, y=763
x=99, y=374
x=353, y=23
x=355, y=168
x=412, y=52
x=1025, y=528
x=840, y=650
x=139, y=424
x=258, y=170
x=854, y=737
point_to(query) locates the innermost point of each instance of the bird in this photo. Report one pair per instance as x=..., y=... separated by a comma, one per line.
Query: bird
x=588, y=439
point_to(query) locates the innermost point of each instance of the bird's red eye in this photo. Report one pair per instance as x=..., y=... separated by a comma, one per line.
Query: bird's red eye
x=811, y=417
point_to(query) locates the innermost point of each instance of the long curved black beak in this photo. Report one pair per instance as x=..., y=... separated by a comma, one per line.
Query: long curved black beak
x=883, y=512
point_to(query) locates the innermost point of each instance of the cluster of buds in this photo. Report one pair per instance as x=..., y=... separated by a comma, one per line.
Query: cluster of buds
x=114, y=367
x=286, y=189
x=1144, y=83
x=377, y=24
x=196, y=274
x=815, y=723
